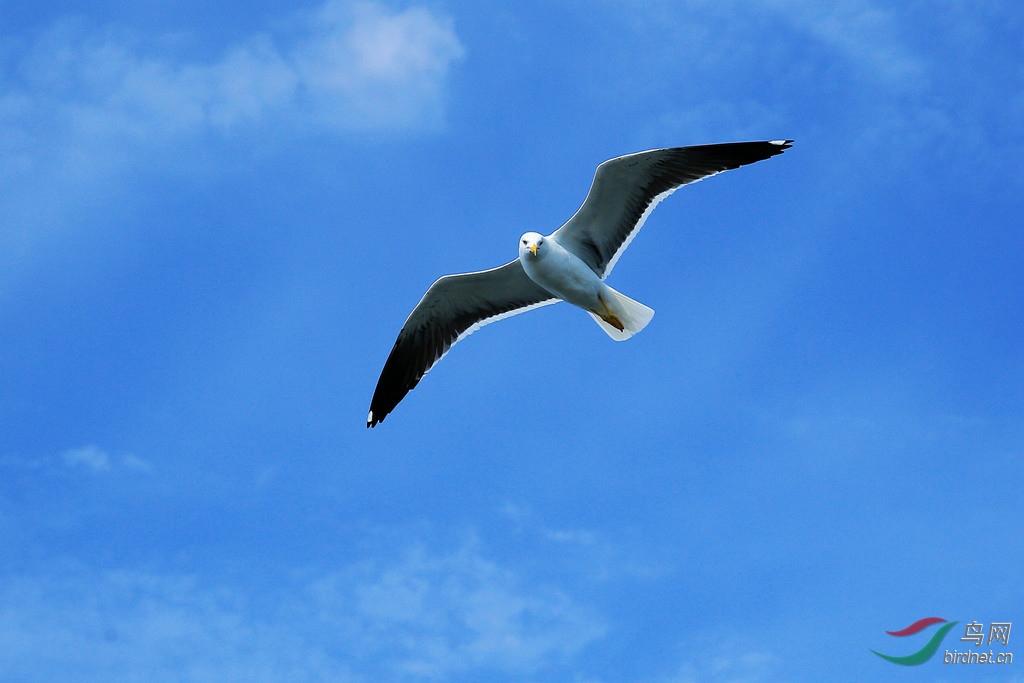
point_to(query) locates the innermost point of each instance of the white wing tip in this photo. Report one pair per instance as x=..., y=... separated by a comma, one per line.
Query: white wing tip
x=779, y=142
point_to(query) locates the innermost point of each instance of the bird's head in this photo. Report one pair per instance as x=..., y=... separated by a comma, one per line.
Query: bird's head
x=531, y=243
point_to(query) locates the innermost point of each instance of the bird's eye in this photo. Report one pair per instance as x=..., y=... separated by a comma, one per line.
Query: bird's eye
x=524, y=241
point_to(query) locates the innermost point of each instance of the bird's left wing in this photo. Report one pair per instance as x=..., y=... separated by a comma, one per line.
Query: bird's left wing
x=626, y=189
x=453, y=308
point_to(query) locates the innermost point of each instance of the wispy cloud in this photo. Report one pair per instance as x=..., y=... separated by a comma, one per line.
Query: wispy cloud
x=717, y=34
x=342, y=67
x=94, y=459
x=86, y=109
x=89, y=457
x=437, y=615
x=865, y=34
x=590, y=552
x=362, y=67
x=427, y=616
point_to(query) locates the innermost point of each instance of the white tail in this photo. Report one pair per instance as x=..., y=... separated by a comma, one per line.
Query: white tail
x=632, y=315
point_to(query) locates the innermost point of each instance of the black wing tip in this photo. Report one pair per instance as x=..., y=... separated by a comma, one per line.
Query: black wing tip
x=381, y=407
x=730, y=155
x=398, y=377
x=762, y=149
x=695, y=162
x=376, y=416
x=735, y=154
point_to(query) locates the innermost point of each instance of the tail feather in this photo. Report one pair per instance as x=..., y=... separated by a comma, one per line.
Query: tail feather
x=623, y=317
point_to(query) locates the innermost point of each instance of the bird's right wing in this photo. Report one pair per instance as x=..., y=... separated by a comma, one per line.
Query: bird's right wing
x=453, y=308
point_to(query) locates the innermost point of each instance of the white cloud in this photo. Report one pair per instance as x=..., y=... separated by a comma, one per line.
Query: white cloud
x=866, y=34
x=84, y=109
x=363, y=67
x=717, y=34
x=591, y=553
x=89, y=457
x=439, y=615
x=95, y=459
x=341, y=68
x=428, y=616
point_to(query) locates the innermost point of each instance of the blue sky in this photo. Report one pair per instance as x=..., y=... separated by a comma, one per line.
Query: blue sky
x=216, y=216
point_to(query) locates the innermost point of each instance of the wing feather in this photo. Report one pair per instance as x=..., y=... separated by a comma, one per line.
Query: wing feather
x=454, y=307
x=626, y=189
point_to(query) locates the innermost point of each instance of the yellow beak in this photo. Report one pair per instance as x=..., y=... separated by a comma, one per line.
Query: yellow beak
x=533, y=248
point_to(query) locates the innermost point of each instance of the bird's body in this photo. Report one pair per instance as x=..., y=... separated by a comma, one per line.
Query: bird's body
x=559, y=271
x=569, y=265
x=566, y=276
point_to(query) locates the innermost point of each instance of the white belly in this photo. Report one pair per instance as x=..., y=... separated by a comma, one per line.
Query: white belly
x=566, y=276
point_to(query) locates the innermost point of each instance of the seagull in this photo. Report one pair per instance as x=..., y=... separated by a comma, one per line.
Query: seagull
x=569, y=265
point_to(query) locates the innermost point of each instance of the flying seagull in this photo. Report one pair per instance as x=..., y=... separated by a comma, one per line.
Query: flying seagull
x=570, y=264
